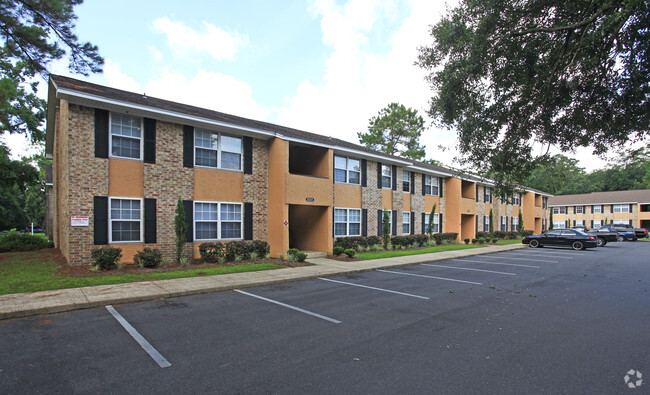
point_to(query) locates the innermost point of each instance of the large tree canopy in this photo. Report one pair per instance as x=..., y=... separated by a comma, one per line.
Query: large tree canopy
x=517, y=77
x=34, y=33
x=395, y=130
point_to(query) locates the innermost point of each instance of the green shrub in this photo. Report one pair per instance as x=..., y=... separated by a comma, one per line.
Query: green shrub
x=484, y=235
x=105, y=258
x=466, y=241
x=294, y=254
x=474, y=241
x=242, y=249
x=481, y=240
x=350, y=252
x=495, y=240
x=499, y=234
x=211, y=252
x=338, y=250
x=148, y=257
x=527, y=232
x=262, y=248
x=15, y=241
x=404, y=241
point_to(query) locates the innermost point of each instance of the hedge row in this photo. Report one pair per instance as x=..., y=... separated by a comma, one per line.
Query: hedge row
x=406, y=241
x=499, y=234
x=214, y=251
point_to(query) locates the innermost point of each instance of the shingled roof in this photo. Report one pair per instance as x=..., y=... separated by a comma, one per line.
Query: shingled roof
x=612, y=197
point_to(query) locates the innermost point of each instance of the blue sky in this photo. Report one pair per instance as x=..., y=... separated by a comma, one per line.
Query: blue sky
x=324, y=66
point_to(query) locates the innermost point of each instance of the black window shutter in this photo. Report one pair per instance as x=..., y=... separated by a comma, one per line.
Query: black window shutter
x=592, y=209
x=477, y=192
x=592, y=224
x=611, y=208
x=149, y=141
x=394, y=224
x=394, y=174
x=440, y=182
x=476, y=226
x=566, y=224
x=188, y=146
x=490, y=197
x=631, y=208
x=506, y=224
x=100, y=212
x=188, y=206
x=364, y=222
x=248, y=221
x=423, y=218
x=378, y=175
x=380, y=217
x=412, y=180
x=364, y=173
x=423, y=188
x=101, y=133
x=333, y=222
x=248, y=157
x=440, y=222
x=150, y=231
x=412, y=222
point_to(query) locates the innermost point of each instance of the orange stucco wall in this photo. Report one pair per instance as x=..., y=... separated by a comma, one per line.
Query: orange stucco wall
x=128, y=250
x=468, y=205
x=406, y=202
x=429, y=201
x=218, y=185
x=299, y=188
x=528, y=207
x=348, y=196
x=468, y=227
x=452, y=190
x=387, y=199
x=125, y=178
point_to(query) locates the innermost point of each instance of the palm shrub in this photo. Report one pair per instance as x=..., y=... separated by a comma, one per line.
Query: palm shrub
x=430, y=227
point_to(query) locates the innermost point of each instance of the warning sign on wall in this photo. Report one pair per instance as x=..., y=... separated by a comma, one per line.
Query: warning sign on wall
x=79, y=220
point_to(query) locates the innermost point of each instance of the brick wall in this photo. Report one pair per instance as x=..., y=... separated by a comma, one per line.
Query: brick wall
x=256, y=189
x=371, y=198
x=417, y=202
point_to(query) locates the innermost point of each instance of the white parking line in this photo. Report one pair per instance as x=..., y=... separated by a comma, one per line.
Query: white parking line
x=322, y=317
x=376, y=289
x=434, y=277
x=467, y=268
x=160, y=360
x=496, y=263
x=541, y=252
x=521, y=259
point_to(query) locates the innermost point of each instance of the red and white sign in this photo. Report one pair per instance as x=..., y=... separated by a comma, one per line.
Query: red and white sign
x=77, y=220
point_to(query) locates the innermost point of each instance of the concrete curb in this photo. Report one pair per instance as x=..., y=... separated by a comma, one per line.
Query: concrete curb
x=57, y=301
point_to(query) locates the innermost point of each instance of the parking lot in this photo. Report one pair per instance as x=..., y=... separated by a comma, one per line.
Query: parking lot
x=530, y=320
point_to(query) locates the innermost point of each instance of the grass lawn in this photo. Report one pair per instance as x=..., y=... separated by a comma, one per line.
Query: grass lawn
x=36, y=271
x=504, y=242
x=393, y=253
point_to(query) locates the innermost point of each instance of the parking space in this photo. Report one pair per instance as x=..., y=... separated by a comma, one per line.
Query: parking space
x=347, y=332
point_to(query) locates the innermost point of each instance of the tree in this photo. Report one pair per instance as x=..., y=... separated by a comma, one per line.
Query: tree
x=385, y=228
x=32, y=35
x=431, y=216
x=395, y=130
x=514, y=77
x=180, y=227
x=15, y=179
x=491, y=224
x=550, y=220
x=521, y=222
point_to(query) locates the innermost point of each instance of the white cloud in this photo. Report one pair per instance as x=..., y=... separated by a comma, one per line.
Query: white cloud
x=117, y=79
x=212, y=40
x=156, y=54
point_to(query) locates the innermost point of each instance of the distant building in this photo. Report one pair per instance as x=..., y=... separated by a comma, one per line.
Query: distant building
x=599, y=208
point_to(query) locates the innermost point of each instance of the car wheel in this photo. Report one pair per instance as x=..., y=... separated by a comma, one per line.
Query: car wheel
x=534, y=243
x=578, y=245
x=600, y=242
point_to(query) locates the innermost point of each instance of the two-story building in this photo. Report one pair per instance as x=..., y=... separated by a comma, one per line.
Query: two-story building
x=121, y=160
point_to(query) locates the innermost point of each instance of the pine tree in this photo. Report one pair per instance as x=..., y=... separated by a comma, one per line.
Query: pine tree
x=180, y=226
x=431, y=216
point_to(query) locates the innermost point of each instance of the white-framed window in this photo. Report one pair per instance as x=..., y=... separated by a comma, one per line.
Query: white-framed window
x=217, y=221
x=543, y=224
x=126, y=136
x=559, y=210
x=390, y=220
x=406, y=223
x=621, y=222
x=544, y=202
x=406, y=181
x=125, y=220
x=436, y=222
x=559, y=224
x=621, y=208
x=386, y=176
x=486, y=223
x=347, y=222
x=597, y=224
x=504, y=223
x=579, y=222
x=347, y=170
x=216, y=150
x=515, y=224
x=486, y=194
x=431, y=185
x=598, y=209
x=579, y=209
x=516, y=199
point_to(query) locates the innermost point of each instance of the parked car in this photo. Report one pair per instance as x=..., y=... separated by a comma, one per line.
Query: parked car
x=603, y=236
x=624, y=231
x=573, y=238
x=639, y=232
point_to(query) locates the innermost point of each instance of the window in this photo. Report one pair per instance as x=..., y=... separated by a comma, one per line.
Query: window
x=406, y=181
x=486, y=194
x=390, y=220
x=579, y=222
x=486, y=223
x=597, y=224
x=621, y=208
x=516, y=199
x=543, y=224
x=431, y=185
x=217, y=150
x=126, y=136
x=559, y=224
x=406, y=223
x=579, y=209
x=436, y=222
x=544, y=202
x=597, y=209
x=515, y=224
x=504, y=224
x=217, y=221
x=125, y=218
x=559, y=210
x=621, y=222
x=386, y=176
x=347, y=170
x=347, y=222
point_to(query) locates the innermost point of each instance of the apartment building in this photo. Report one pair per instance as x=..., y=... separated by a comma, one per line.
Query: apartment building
x=121, y=160
x=599, y=208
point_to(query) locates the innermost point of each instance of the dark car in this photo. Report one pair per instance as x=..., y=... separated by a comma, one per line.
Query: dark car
x=624, y=231
x=573, y=238
x=603, y=236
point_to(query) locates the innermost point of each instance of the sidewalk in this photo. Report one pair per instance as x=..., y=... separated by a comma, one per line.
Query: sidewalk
x=55, y=301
